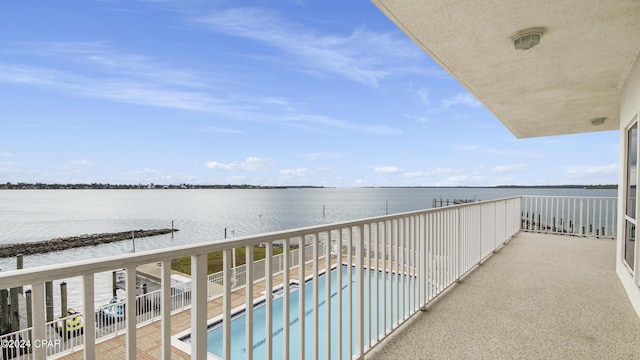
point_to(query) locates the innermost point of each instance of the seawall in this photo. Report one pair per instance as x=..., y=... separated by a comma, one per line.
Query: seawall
x=57, y=244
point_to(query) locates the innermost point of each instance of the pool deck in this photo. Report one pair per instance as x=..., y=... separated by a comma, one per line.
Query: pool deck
x=539, y=297
x=148, y=336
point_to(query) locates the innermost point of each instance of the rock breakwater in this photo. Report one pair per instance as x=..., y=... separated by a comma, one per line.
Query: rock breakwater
x=57, y=244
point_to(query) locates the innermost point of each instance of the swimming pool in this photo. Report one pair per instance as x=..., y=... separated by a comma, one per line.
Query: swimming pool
x=238, y=336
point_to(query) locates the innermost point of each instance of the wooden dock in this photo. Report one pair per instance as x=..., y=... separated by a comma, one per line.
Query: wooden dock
x=449, y=202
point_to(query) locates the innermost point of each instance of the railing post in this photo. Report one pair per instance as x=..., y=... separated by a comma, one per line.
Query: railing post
x=366, y=236
x=301, y=296
x=581, y=215
x=249, y=301
x=459, y=238
x=315, y=296
x=495, y=224
x=165, y=309
x=286, y=297
x=89, y=318
x=402, y=224
x=339, y=300
x=268, y=284
x=414, y=269
x=130, y=312
x=480, y=232
x=39, y=352
x=199, y=306
x=422, y=258
x=226, y=305
x=350, y=289
x=385, y=272
x=376, y=271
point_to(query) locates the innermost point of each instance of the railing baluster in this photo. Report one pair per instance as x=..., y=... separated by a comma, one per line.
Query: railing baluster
x=339, y=281
x=327, y=293
x=226, y=304
x=580, y=216
x=423, y=259
x=401, y=271
x=366, y=237
x=130, y=312
x=376, y=275
x=441, y=250
x=268, y=304
x=385, y=274
x=249, y=301
x=301, y=295
x=396, y=245
x=350, y=271
x=360, y=293
x=315, y=297
x=413, y=284
x=286, y=298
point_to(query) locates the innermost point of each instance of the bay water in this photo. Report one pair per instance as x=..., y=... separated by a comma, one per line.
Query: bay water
x=202, y=215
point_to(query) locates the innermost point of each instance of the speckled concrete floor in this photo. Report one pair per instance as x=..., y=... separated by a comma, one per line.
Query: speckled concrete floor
x=539, y=297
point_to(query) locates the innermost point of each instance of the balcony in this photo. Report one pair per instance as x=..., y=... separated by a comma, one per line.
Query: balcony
x=540, y=297
x=538, y=291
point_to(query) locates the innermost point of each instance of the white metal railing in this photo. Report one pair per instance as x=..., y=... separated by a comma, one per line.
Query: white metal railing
x=413, y=257
x=580, y=216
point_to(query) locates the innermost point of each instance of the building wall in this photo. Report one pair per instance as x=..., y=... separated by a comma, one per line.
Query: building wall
x=629, y=114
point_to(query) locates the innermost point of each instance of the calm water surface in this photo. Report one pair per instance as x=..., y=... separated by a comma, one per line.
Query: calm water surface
x=202, y=215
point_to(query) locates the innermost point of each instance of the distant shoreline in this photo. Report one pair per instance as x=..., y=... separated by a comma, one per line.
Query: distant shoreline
x=96, y=186
x=588, y=187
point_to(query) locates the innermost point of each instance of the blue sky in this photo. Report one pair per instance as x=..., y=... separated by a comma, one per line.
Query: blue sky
x=326, y=93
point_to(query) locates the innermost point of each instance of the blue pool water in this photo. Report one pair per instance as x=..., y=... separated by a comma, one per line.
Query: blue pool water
x=238, y=336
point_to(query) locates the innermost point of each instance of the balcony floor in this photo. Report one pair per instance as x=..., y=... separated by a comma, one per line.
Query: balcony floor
x=539, y=297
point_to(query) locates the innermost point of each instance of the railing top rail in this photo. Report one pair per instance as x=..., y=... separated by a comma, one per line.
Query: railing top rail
x=570, y=197
x=15, y=278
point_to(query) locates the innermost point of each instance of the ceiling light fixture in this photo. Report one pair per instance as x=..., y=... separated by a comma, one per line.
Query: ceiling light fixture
x=528, y=38
x=597, y=121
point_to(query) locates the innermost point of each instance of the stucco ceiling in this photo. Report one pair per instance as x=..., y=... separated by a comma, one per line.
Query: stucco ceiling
x=575, y=74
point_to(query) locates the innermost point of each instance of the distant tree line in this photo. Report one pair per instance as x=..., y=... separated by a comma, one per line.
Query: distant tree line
x=591, y=187
x=43, y=186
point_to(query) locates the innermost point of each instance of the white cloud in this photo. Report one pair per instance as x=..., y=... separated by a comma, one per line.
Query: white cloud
x=321, y=155
x=132, y=90
x=423, y=95
x=363, y=56
x=172, y=93
x=6, y=154
x=496, y=151
x=430, y=173
x=461, y=99
x=386, y=169
x=217, y=130
x=457, y=179
x=249, y=164
x=296, y=171
x=464, y=147
x=509, y=168
x=82, y=163
x=582, y=171
x=421, y=119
